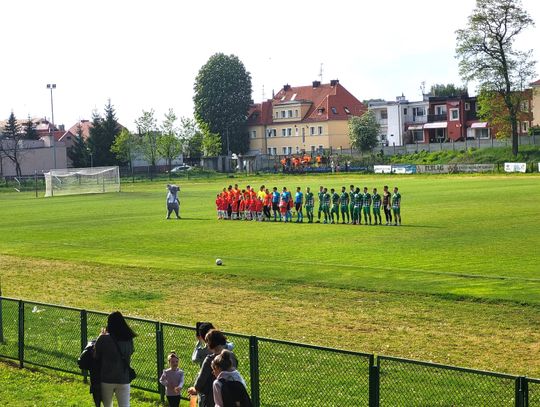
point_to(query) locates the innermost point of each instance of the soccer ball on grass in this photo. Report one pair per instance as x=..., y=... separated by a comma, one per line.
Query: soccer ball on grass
x=219, y=262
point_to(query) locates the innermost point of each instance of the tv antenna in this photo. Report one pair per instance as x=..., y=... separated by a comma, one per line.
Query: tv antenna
x=321, y=72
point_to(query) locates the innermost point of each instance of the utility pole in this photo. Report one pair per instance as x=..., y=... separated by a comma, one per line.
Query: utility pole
x=52, y=86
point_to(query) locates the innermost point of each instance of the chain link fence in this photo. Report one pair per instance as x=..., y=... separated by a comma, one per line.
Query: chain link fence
x=277, y=373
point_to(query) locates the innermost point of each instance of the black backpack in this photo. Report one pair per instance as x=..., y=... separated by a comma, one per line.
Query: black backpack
x=86, y=360
x=234, y=394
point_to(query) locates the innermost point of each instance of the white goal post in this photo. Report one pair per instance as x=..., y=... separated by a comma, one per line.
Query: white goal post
x=73, y=181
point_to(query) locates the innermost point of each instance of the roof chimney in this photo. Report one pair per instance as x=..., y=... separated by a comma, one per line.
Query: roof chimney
x=334, y=82
x=316, y=84
x=286, y=87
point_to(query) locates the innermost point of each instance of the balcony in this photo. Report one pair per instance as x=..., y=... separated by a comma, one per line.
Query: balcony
x=437, y=117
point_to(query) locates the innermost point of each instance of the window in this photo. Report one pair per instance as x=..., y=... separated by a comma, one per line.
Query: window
x=347, y=110
x=274, y=150
x=296, y=113
x=418, y=135
x=289, y=113
x=253, y=133
x=321, y=149
x=384, y=114
x=296, y=131
x=283, y=114
x=303, y=131
x=524, y=106
x=454, y=114
x=297, y=150
x=524, y=127
x=404, y=110
x=269, y=150
x=289, y=150
x=440, y=110
x=283, y=132
x=284, y=150
x=320, y=130
x=320, y=110
x=289, y=131
x=334, y=110
x=418, y=111
x=312, y=131
x=273, y=132
x=277, y=115
x=467, y=106
x=482, y=133
x=313, y=149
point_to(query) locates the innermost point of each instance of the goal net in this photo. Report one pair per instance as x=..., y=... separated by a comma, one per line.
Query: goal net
x=73, y=181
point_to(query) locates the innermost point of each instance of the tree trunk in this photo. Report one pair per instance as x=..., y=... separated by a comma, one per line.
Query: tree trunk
x=515, y=144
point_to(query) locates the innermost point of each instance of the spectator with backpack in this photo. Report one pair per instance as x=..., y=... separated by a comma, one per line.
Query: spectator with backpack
x=113, y=349
x=229, y=388
x=203, y=387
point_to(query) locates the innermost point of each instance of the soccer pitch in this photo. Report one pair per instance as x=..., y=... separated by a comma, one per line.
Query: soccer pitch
x=465, y=261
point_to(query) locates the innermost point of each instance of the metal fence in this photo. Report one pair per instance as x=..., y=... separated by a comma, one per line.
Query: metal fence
x=277, y=373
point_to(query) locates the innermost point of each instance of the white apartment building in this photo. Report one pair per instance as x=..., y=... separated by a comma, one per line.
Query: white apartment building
x=401, y=121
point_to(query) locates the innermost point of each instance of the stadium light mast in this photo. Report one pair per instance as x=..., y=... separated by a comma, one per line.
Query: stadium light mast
x=52, y=86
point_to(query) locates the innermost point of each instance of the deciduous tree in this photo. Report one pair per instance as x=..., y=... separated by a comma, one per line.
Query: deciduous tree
x=222, y=100
x=486, y=53
x=364, y=131
x=10, y=142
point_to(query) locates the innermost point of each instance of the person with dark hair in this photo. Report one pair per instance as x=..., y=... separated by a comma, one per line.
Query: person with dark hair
x=216, y=343
x=229, y=388
x=386, y=205
x=201, y=350
x=113, y=349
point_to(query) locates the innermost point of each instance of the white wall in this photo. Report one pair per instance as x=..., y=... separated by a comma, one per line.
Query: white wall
x=35, y=156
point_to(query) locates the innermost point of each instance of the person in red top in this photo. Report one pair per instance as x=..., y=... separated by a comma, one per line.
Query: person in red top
x=242, y=207
x=234, y=206
x=267, y=204
x=259, y=209
x=219, y=204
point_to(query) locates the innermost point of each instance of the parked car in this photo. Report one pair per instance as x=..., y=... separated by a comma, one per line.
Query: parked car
x=181, y=168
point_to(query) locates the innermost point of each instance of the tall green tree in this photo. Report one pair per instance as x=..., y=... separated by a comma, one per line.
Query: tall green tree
x=148, y=136
x=487, y=54
x=102, y=134
x=440, y=89
x=364, y=131
x=169, y=144
x=30, y=132
x=10, y=146
x=222, y=99
x=192, y=138
x=79, y=152
x=125, y=147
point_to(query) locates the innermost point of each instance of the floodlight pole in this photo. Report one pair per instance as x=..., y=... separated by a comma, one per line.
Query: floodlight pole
x=52, y=86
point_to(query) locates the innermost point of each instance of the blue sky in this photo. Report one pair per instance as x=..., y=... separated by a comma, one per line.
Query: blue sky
x=145, y=55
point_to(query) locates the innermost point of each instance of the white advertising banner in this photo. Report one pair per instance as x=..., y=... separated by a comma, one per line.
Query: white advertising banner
x=382, y=169
x=515, y=167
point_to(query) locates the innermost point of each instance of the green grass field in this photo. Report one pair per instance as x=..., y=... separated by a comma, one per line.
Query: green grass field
x=457, y=283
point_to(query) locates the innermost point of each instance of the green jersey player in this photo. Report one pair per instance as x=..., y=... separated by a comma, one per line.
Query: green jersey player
x=357, y=204
x=326, y=198
x=310, y=202
x=376, y=200
x=366, y=205
x=320, y=195
x=351, y=201
x=396, y=206
x=335, y=205
x=344, y=205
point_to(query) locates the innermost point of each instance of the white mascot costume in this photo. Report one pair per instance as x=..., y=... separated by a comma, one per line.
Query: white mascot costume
x=173, y=203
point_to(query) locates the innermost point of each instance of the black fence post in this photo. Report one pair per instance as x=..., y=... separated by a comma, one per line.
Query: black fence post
x=84, y=338
x=21, y=334
x=374, y=382
x=522, y=392
x=254, y=370
x=160, y=356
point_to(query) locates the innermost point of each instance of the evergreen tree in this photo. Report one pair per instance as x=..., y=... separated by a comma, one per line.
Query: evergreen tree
x=30, y=132
x=9, y=142
x=102, y=135
x=79, y=153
